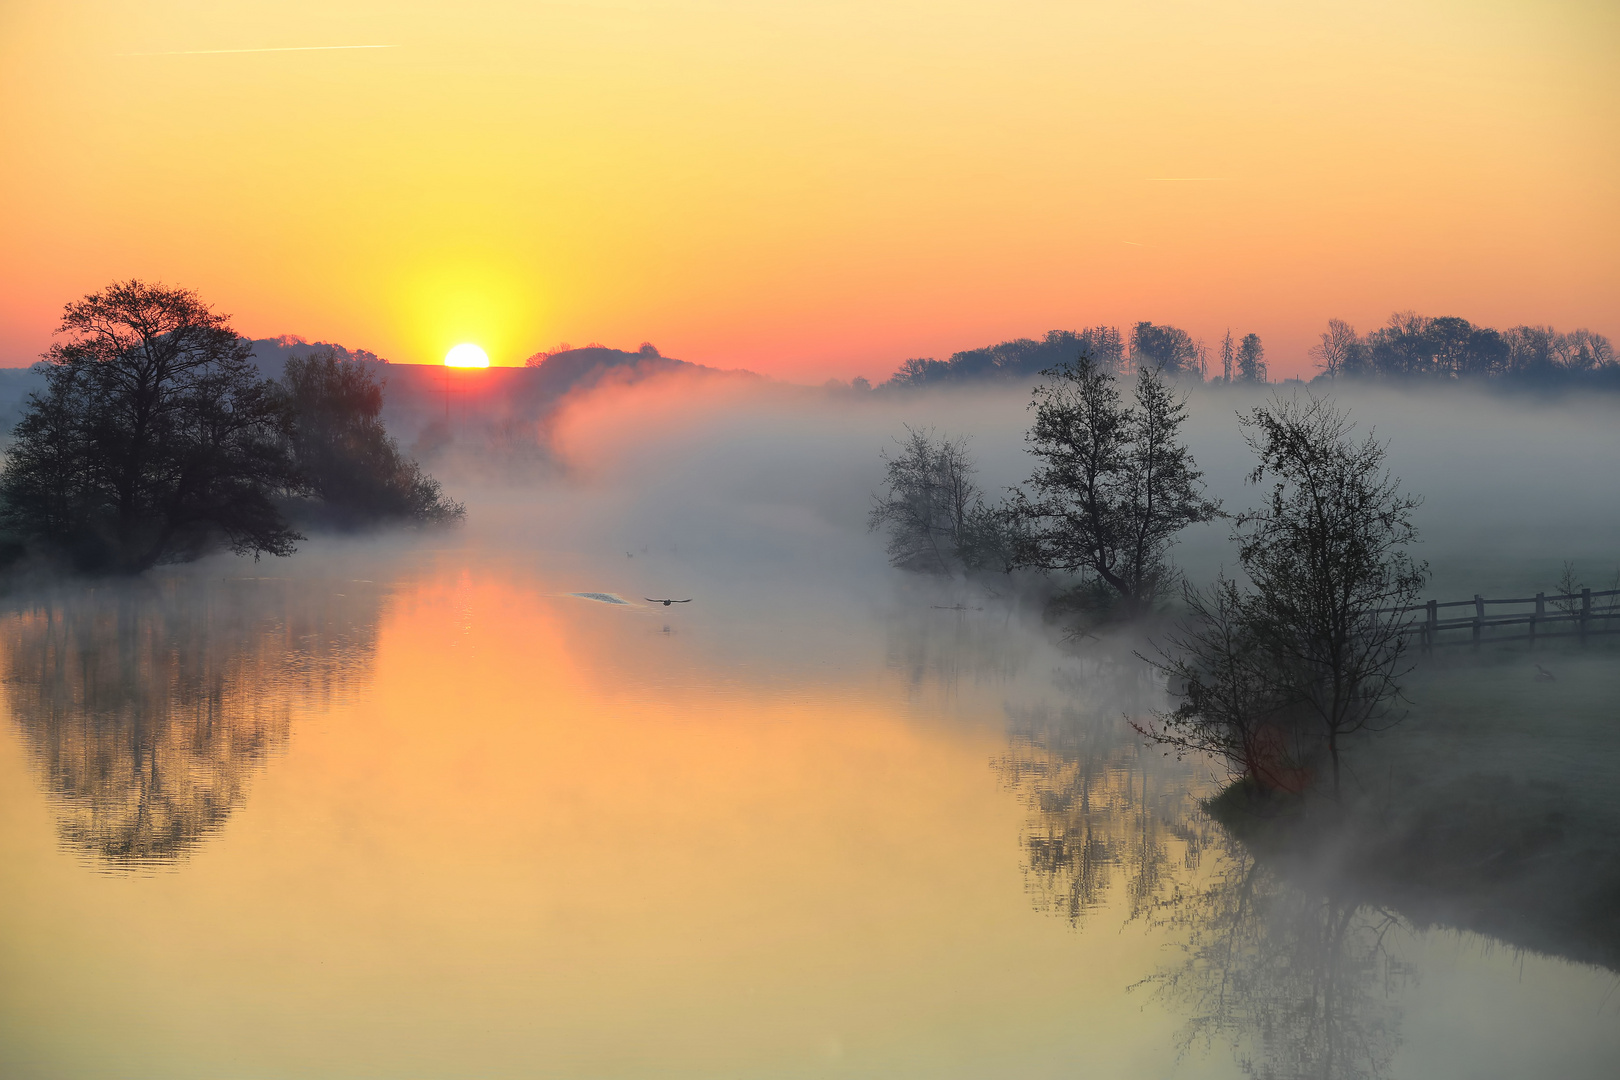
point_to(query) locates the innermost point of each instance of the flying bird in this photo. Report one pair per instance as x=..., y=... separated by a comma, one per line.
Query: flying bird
x=666, y=603
x=1543, y=675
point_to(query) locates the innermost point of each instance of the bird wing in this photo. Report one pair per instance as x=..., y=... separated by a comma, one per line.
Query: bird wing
x=650, y=600
x=688, y=600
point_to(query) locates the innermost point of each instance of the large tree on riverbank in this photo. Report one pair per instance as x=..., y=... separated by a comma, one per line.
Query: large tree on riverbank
x=154, y=439
x=1313, y=650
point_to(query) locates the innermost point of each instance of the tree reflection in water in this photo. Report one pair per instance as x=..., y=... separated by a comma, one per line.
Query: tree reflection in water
x=147, y=705
x=1300, y=981
x=1102, y=805
x=1297, y=978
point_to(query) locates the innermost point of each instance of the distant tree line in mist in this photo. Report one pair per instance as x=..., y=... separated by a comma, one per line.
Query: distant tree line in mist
x=1410, y=347
x=1168, y=349
x=156, y=440
x=1417, y=347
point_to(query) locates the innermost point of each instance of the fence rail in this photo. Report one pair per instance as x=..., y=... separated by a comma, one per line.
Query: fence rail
x=1580, y=610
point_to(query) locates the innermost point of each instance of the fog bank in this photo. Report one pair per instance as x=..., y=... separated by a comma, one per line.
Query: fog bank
x=774, y=479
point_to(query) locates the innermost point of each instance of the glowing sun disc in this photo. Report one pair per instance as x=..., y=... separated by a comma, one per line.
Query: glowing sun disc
x=466, y=356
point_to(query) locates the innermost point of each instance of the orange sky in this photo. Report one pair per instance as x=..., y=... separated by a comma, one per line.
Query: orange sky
x=810, y=189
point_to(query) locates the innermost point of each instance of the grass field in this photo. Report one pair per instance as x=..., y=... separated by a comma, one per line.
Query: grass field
x=1493, y=806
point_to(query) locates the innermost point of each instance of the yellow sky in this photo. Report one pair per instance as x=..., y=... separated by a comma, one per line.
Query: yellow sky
x=810, y=189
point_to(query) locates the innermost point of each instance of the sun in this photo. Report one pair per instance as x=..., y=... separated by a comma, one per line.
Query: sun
x=466, y=355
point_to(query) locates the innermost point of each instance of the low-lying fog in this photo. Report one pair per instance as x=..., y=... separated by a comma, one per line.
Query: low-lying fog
x=764, y=479
x=414, y=800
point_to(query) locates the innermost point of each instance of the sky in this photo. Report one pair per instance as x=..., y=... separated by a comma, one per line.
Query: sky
x=810, y=190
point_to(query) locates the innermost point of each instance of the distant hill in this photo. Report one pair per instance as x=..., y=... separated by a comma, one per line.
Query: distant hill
x=548, y=375
x=425, y=404
x=567, y=369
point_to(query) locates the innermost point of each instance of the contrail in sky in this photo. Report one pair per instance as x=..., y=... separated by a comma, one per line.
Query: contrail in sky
x=285, y=48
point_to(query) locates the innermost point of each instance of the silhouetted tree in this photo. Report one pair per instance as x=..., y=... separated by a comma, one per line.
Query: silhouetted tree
x=344, y=455
x=1586, y=351
x=1316, y=644
x=1251, y=359
x=935, y=515
x=1023, y=358
x=1341, y=352
x=1235, y=704
x=1449, y=348
x=1542, y=352
x=154, y=439
x=1168, y=349
x=1114, y=486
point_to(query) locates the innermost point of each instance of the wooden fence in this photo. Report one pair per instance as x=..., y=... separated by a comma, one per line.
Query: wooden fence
x=1583, y=613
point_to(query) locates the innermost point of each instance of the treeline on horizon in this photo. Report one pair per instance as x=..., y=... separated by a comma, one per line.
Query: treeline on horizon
x=1410, y=348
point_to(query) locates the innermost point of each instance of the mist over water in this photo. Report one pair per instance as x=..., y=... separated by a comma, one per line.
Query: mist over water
x=409, y=804
x=1513, y=486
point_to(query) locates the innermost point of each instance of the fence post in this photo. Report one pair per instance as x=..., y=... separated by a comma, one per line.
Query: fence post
x=1541, y=609
x=1586, y=611
x=1432, y=631
x=1479, y=617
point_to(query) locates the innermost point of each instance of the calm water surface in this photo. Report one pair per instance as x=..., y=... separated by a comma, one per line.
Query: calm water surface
x=435, y=816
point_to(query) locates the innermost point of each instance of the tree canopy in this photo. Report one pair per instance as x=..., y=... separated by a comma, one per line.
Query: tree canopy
x=934, y=513
x=1275, y=675
x=344, y=456
x=1448, y=348
x=1019, y=359
x=1114, y=483
x=156, y=440
x=1168, y=349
